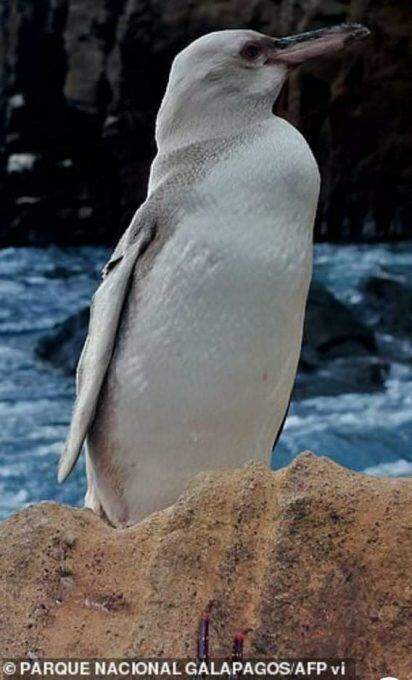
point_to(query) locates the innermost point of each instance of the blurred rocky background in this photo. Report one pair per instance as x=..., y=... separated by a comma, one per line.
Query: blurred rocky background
x=81, y=80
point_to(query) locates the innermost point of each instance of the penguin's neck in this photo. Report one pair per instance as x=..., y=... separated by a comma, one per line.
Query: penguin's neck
x=179, y=127
x=186, y=152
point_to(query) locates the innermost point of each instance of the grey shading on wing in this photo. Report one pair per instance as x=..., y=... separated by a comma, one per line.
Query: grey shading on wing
x=105, y=314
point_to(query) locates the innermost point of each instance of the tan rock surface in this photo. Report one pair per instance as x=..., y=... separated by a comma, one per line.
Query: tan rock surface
x=315, y=559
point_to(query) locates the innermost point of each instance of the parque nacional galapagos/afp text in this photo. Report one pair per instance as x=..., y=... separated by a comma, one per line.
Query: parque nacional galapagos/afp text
x=160, y=668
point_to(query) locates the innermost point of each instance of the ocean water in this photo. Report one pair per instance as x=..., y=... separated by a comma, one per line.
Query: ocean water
x=41, y=287
x=38, y=289
x=366, y=432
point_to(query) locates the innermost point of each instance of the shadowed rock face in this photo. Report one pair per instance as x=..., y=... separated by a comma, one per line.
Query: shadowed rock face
x=391, y=300
x=62, y=347
x=314, y=559
x=80, y=83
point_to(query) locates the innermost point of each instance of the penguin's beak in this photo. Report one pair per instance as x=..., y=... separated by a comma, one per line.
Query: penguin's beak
x=296, y=49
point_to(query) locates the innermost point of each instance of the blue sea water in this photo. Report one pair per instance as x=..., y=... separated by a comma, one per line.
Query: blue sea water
x=41, y=287
x=366, y=432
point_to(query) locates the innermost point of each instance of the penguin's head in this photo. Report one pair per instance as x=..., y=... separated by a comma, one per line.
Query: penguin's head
x=229, y=78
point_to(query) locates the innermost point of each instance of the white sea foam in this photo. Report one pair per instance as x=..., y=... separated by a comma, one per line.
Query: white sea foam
x=397, y=468
x=360, y=431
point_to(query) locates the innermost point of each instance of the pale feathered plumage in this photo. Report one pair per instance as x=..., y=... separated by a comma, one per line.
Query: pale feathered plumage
x=195, y=331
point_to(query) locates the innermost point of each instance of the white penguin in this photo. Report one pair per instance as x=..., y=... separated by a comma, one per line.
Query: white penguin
x=196, y=329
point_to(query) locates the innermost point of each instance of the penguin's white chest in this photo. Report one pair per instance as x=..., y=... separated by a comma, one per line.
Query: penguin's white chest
x=208, y=347
x=216, y=325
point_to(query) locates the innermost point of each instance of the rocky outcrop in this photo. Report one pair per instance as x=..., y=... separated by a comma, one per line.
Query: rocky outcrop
x=80, y=83
x=314, y=559
x=339, y=352
x=62, y=346
x=332, y=329
x=391, y=300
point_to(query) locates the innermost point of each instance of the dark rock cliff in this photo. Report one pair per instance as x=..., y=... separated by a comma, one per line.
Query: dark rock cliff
x=81, y=80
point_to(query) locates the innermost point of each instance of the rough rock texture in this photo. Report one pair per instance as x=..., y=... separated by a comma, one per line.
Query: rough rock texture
x=314, y=559
x=81, y=80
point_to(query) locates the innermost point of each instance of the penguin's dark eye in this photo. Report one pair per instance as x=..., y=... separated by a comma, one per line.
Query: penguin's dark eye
x=251, y=51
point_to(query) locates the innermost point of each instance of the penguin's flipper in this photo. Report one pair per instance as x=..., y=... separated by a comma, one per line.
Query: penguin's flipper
x=105, y=314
